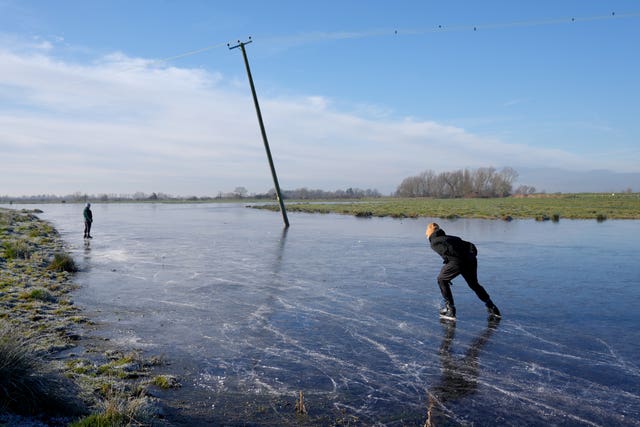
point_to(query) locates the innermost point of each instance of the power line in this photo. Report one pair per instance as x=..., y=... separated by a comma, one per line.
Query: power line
x=190, y=53
x=532, y=23
x=343, y=35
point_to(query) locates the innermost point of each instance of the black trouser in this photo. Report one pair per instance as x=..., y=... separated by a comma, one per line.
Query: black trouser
x=87, y=228
x=468, y=268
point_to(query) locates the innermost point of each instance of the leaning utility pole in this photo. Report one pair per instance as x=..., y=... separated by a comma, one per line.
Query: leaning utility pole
x=264, y=133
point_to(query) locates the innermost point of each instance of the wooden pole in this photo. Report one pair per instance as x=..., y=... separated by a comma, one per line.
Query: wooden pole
x=263, y=131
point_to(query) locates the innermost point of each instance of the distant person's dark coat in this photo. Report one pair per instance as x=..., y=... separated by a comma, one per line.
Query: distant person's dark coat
x=88, y=215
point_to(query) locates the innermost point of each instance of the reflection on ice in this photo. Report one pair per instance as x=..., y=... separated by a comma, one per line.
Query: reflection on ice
x=113, y=255
x=459, y=375
x=345, y=310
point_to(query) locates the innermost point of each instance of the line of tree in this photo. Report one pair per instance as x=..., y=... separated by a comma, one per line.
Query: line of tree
x=311, y=194
x=238, y=193
x=481, y=182
x=79, y=197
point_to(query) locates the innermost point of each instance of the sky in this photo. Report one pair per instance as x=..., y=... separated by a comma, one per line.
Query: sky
x=120, y=96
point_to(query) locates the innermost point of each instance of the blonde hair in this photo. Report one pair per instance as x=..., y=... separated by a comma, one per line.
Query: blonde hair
x=432, y=228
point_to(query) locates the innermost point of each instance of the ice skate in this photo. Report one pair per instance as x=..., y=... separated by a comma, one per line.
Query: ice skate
x=448, y=312
x=493, y=310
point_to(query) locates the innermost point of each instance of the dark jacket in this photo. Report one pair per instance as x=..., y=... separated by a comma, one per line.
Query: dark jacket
x=452, y=248
x=88, y=216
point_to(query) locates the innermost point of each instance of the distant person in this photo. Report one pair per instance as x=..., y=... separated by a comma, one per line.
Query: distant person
x=459, y=259
x=88, y=219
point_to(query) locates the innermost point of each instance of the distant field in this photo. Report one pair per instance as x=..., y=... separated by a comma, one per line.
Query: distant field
x=541, y=207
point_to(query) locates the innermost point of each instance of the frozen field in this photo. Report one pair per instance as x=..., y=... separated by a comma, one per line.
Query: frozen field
x=345, y=310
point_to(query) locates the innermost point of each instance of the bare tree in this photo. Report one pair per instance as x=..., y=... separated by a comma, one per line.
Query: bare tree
x=482, y=182
x=502, y=183
x=240, y=192
x=525, y=190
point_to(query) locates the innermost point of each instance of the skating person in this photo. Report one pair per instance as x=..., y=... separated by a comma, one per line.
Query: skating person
x=459, y=259
x=88, y=219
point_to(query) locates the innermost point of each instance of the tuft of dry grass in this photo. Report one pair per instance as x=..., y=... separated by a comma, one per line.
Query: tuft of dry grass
x=165, y=381
x=17, y=249
x=121, y=408
x=63, y=262
x=28, y=386
x=300, y=408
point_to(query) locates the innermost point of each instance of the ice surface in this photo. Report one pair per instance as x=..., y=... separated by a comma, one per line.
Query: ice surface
x=345, y=310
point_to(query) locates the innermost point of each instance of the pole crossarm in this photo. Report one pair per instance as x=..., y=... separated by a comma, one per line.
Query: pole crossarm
x=239, y=44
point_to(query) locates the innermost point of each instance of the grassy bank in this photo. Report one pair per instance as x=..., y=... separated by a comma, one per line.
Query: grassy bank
x=51, y=372
x=541, y=207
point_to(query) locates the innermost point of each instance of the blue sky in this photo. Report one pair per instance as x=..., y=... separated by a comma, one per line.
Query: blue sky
x=353, y=93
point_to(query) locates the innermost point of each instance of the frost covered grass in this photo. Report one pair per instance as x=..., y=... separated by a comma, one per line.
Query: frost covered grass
x=165, y=382
x=38, y=384
x=28, y=385
x=119, y=409
x=541, y=207
x=16, y=249
x=63, y=262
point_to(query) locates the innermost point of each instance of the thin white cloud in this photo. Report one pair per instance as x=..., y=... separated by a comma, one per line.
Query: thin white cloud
x=278, y=43
x=514, y=102
x=122, y=124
